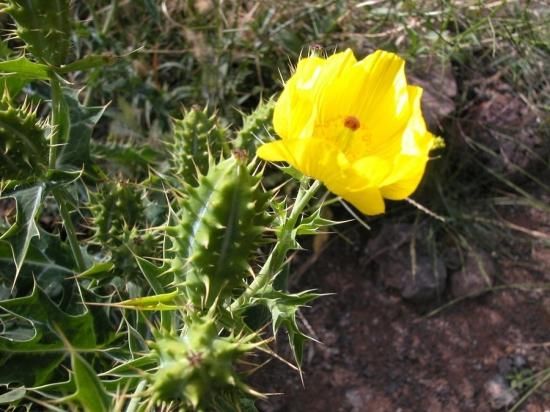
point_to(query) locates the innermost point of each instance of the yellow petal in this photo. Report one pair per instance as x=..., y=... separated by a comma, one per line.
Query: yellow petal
x=330, y=93
x=313, y=157
x=416, y=140
x=371, y=171
x=295, y=105
x=369, y=201
x=386, y=107
x=406, y=175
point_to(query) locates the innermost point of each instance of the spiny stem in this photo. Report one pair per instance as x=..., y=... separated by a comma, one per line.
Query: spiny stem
x=277, y=257
x=69, y=229
x=57, y=108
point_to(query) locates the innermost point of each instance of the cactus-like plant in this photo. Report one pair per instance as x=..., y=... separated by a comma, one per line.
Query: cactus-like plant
x=200, y=365
x=222, y=221
x=256, y=125
x=44, y=26
x=118, y=214
x=116, y=207
x=196, y=139
x=23, y=145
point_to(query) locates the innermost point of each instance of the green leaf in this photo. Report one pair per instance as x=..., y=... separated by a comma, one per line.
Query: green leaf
x=313, y=223
x=23, y=68
x=164, y=301
x=91, y=61
x=135, y=367
x=12, y=85
x=137, y=160
x=98, y=270
x=75, y=154
x=28, y=202
x=154, y=275
x=90, y=390
x=48, y=261
x=159, y=282
x=33, y=360
x=13, y=395
x=284, y=307
x=45, y=27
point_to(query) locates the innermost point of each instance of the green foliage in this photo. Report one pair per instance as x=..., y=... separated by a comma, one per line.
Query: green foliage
x=44, y=26
x=24, y=69
x=28, y=202
x=222, y=221
x=196, y=139
x=283, y=308
x=90, y=391
x=198, y=366
x=118, y=213
x=257, y=128
x=23, y=144
x=117, y=207
x=78, y=121
x=34, y=344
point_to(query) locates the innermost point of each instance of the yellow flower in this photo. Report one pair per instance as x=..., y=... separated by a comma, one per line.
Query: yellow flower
x=357, y=126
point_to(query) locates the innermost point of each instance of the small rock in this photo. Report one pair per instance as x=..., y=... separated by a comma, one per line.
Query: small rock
x=364, y=399
x=519, y=361
x=506, y=125
x=505, y=366
x=499, y=393
x=416, y=271
x=438, y=81
x=419, y=280
x=475, y=276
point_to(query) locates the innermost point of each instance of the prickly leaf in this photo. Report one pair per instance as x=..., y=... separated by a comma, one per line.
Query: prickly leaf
x=28, y=202
x=33, y=359
x=75, y=154
x=44, y=25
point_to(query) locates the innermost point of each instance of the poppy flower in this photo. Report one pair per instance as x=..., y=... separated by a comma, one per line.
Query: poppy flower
x=356, y=126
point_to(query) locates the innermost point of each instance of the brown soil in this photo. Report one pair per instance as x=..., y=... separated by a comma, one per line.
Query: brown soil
x=381, y=353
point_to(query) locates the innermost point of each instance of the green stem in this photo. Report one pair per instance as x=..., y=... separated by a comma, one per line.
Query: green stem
x=110, y=17
x=57, y=114
x=69, y=229
x=276, y=259
x=136, y=398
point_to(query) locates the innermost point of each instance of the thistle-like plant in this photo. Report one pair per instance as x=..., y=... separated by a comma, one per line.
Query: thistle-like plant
x=23, y=144
x=44, y=26
x=196, y=139
x=144, y=294
x=221, y=223
x=146, y=288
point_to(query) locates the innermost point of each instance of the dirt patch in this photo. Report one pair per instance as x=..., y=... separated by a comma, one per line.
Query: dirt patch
x=380, y=353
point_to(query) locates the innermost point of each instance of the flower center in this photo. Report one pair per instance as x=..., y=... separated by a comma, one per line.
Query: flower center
x=352, y=123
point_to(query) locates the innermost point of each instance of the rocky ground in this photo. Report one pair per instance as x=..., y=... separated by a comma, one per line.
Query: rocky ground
x=382, y=347
x=380, y=351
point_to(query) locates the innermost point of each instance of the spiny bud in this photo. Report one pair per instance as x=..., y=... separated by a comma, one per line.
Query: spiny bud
x=23, y=145
x=119, y=217
x=196, y=138
x=257, y=126
x=198, y=366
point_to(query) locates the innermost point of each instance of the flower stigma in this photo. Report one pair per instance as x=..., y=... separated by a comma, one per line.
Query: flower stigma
x=352, y=123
